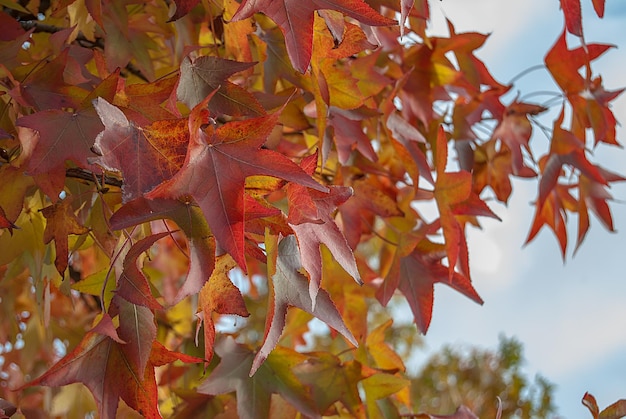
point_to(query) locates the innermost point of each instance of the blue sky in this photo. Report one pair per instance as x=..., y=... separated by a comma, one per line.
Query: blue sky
x=570, y=317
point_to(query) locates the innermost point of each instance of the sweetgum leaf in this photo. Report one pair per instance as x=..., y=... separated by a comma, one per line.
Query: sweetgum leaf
x=320, y=227
x=415, y=276
x=190, y=219
x=573, y=16
x=290, y=289
x=218, y=161
x=330, y=381
x=61, y=136
x=132, y=285
x=145, y=156
x=253, y=393
x=204, y=75
x=61, y=222
x=105, y=367
x=295, y=20
x=218, y=295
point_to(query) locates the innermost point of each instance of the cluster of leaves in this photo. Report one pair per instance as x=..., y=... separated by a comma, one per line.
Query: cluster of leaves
x=152, y=154
x=489, y=383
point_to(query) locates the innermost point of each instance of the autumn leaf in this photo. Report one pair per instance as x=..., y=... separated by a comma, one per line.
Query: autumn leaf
x=204, y=75
x=254, y=392
x=146, y=156
x=380, y=386
x=61, y=136
x=220, y=296
x=454, y=196
x=218, y=161
x=514, y=130
x=415, y=276
x=330, y=380
x=190, y=219
x=289, y=288
x=573, y=16
x=295, y=20
x=318, y=226
x=182, y=8
x=132, y=284
x=5, y=223
x=61, y=222
x=104, y=366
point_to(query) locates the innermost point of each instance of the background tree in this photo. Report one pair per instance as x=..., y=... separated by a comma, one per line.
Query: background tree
x=167, y=165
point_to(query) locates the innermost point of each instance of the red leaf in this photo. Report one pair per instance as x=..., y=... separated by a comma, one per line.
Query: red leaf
x=182, y=8
x=573, y=16
x=5, y=223
x=132, y=285
x=415, y=276
x=290, y=289
x=295, y=20
x=318, y=226
x=145, y=156
x=62, y=136
x=454, y=196
x=217, y=163
x=598, y=6
x=61, y=222
x=105, y=367
x=590, y=402
x=204, y=75
x=189, y=218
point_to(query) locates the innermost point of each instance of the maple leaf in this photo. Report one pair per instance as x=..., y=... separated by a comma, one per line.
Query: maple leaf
x=594, y=196
x=218, y=161
x=182, y=8
x=132, y=285
x=319, y=227
x=295, y=20
x=573, y=16
x=454, y=196
x=493, y=167
x=330, y=380
x=145, y=156
x=104, y=366
x=254, y=392
x=371, y=197
x=205, y=75
x=288, y=288
x=415, y=276
x=189, y=218
x=46, y=88
x=514, y=130
x=61, y=136
x=589, y=100
x=61, y=223
x=218, y=295
x=380, y=386
x=5, y=223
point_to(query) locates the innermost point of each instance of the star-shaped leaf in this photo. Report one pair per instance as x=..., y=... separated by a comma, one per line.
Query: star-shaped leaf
x=189, y=218
x=204, y=75
x=220, y=296
x=318, y=227
x=415, y=276
x=254, y=392
x=289, y=288
x=218, y=161
x=132, y=284
x=61, y=222
x=145, y=156
x=295, y=20
x=112, y=370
